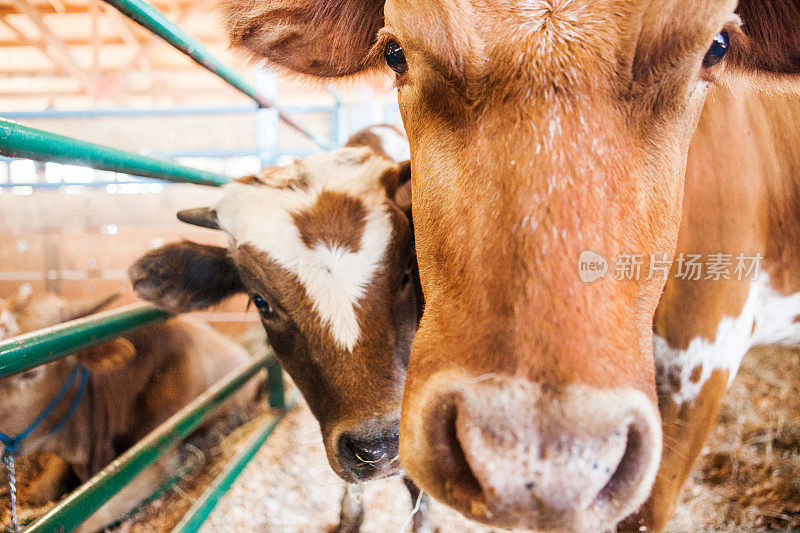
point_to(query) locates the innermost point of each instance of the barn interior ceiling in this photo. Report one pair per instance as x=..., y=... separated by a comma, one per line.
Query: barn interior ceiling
x=62, y=54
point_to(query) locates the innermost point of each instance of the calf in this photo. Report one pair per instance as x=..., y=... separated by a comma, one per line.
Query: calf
x=327, y=257
x=120, y=390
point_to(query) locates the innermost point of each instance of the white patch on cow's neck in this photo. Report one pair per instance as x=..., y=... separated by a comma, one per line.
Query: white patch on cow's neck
x=334, y=277
x=767, y=317
x=393, y=143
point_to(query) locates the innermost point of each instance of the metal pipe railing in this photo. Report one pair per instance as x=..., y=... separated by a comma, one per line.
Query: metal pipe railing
x=182, y=110
x=89, y=497
x=205, y=504
x=24, y=352
x=275, y=387
x=153, y=20
x=17, y=140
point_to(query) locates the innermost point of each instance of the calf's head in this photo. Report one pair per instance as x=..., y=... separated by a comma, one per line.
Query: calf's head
x=538, y=130
x=325, y=254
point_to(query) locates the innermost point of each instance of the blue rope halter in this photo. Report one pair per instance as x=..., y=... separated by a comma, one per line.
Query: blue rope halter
x=12, y=443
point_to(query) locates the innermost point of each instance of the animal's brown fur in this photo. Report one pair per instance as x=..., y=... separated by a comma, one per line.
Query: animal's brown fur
x=560, y=126
x=277, y=31
x=773, y=44
x=336, y=219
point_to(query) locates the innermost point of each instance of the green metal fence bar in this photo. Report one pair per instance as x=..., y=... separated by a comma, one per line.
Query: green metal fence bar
x=90, y=496
x=24, y=352
x=17, y=140
x=153, y=20
x=275, y=388
x=203, y=507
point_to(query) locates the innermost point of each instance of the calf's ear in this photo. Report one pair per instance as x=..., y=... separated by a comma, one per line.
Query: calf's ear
x=772, y=31
x=107, y=356
x=86, y=306
x=402, y=195
x=321, y=38
x=185, y=276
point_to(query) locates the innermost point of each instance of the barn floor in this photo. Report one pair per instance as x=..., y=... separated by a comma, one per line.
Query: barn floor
x=748, y=476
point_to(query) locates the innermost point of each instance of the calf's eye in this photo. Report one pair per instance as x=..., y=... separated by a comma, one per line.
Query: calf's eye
x=262, y=305
x=717, y=51
x=395, y=58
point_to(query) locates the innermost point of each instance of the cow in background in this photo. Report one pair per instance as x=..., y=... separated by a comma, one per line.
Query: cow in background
x=134, y=383
x=326, y=253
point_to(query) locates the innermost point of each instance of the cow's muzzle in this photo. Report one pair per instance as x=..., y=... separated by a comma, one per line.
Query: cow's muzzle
x=510, y=453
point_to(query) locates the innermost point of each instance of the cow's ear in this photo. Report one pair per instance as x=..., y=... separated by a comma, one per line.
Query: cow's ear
x=771, y=43
x=107, y=356
x=321, y=38
x=185, y=276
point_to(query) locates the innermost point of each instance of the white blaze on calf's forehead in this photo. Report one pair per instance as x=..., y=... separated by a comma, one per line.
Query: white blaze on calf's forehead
x=334, y=278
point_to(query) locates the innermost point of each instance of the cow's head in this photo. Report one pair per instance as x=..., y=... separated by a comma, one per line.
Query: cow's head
x=324, y=253
x=539, y=129
x=26, y=394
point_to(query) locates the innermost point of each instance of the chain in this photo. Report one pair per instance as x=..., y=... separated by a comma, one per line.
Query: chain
x=8, y=461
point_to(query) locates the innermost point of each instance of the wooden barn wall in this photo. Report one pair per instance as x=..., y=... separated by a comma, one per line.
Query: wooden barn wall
x=77, y=245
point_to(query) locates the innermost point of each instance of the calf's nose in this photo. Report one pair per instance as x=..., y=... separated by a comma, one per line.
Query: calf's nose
x=512, y=453
x=366, y=453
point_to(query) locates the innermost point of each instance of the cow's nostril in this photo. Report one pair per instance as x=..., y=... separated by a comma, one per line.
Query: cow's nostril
x=626, y=471
x=366, y=452
x=452, y=461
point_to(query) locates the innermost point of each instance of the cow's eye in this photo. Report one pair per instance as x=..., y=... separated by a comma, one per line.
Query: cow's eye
x=717, y=51
x=262, y=305
x=395, y=58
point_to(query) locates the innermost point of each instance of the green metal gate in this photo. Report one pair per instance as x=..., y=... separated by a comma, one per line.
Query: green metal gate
x=40, y=347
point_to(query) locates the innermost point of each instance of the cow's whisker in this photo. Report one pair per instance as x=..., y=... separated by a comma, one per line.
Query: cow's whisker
x=370, y=462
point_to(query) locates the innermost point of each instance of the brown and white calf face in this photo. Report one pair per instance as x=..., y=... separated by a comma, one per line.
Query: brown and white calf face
x=539, y=129
x=324, y=253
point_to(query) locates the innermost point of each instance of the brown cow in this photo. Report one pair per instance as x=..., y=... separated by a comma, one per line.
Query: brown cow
x=539, y=130
x=133, y=384
x=327, y=257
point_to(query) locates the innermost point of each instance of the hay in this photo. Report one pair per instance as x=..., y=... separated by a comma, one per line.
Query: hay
x=748, y=476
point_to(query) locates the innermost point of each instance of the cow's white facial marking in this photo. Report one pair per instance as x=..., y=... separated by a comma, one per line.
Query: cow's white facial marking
x=766, y=318
x=334, y=277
